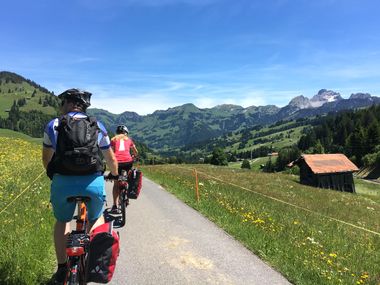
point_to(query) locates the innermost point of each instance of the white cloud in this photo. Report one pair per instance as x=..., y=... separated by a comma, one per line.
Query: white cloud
x=140, y=105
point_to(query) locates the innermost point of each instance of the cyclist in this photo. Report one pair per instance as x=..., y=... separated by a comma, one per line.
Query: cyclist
x=74, y=103
x=122, y=146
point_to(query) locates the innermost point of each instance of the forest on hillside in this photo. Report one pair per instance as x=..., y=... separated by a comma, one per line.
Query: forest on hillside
x=354, y=133
x=31, y=123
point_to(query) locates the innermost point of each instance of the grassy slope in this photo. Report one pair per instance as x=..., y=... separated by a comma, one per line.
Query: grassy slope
x=362, y=186
x=306, y=246
x=6, y=99
x=26, y=242
x=255, y=163
x=13, y=134
x=290, y=137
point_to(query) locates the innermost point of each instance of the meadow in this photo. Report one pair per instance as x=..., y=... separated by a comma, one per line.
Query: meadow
x=26, y=245
x=312, y=236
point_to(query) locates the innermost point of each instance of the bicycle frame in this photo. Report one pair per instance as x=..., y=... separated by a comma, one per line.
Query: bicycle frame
x=77, y=243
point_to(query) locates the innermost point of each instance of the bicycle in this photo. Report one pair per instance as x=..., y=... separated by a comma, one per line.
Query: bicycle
x=120, y=218
x=77, y=244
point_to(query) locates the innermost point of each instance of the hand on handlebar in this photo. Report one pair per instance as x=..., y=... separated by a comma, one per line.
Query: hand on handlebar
x=111, y=177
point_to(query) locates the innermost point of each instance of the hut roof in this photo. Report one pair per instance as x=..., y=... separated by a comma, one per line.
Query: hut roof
x=328, y=163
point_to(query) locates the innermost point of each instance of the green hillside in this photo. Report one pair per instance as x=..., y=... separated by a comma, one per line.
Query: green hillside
x=17, y=135
x=252, y=142
x=24, y=105
x=31, y=96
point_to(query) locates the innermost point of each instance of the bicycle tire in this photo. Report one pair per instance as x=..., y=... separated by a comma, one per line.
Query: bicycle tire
x=72, y=276
x=122, y=206
x=76, y=274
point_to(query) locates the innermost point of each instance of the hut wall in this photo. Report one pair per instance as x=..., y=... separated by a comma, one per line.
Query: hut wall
x=306, y=175
x=337, y=181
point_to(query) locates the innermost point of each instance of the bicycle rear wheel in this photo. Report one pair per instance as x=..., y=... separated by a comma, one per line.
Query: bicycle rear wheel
x=122, y=202
x=76, y=273
x=73, y=276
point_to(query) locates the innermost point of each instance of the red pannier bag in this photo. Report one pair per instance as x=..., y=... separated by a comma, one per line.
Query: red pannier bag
x=103, y=253
x=134, y=183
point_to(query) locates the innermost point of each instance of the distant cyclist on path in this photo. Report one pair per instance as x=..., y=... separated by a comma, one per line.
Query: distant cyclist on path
x=75, y=171
x=122, y=146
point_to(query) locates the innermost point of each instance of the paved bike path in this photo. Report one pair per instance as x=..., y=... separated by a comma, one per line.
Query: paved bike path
x=166, y=242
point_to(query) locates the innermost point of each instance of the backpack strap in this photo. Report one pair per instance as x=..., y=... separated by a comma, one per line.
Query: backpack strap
x=62, y=122
x=93, y=120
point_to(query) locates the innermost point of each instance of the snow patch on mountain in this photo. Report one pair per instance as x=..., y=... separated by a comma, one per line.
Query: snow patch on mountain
x=324, y=96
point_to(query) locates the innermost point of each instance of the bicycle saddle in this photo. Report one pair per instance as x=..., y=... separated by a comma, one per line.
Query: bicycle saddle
x=78, y=199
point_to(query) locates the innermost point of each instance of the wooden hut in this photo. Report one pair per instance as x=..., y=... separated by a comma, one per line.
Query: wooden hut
x=332, y=171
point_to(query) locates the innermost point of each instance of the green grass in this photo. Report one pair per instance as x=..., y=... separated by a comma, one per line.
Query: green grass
x=307, y=246
x=6, y=98
x=12, y=134
x=255, y=163
x=26, y=244
x=366, y=187
x=289, y=138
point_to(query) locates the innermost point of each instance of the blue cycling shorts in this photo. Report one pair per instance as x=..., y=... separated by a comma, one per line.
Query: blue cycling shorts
x=63, y=186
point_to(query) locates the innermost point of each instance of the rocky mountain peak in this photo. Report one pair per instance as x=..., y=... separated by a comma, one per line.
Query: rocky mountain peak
x=360, y=96
x=324, y=96
x=300, y=102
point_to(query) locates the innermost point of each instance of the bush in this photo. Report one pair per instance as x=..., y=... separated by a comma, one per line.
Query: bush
x=219, y=157
x=246, y=164
x=372, y=159
x=286, y=155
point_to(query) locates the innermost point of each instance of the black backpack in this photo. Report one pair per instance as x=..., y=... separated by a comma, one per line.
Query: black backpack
x=77, y=151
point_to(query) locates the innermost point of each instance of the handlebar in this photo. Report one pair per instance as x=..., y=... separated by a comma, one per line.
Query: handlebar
x=110, y=177
x=121, y=177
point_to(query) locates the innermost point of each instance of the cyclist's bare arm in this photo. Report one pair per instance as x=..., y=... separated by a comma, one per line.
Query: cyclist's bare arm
x=134, y=150
x=110, y=160
x=47, y=154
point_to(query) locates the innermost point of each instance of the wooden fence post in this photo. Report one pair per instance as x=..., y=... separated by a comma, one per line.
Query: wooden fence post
x=196, y=185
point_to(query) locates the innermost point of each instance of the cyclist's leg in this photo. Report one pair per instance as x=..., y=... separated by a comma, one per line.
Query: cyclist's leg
x=115, y=194
x=128, y=166
x=63, y=212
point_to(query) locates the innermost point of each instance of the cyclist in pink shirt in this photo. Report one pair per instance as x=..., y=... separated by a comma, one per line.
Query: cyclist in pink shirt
x=122, y=146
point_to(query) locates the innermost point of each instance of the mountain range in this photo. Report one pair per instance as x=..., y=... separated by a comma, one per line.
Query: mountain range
x=188, y=124
x=165, y=130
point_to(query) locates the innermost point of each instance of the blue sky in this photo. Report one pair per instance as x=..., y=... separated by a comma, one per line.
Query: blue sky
x=147, y=55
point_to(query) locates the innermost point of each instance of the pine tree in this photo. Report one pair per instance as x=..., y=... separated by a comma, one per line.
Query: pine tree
x=373, y=136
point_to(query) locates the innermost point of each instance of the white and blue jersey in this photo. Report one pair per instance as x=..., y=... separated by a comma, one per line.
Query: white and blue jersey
x=50, y=133
x=64, y=186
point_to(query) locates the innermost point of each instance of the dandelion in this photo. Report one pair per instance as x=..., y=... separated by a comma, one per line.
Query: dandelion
x=364, y=276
